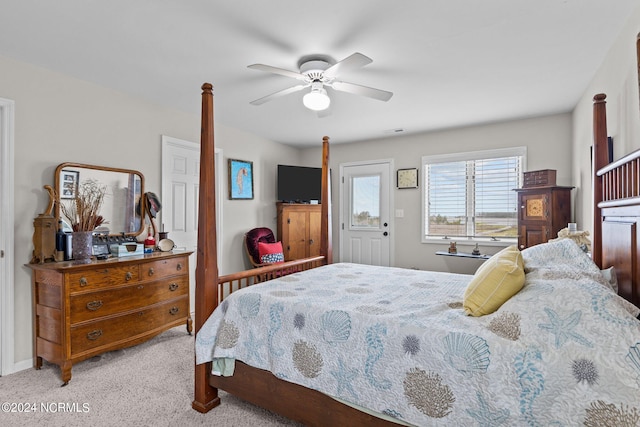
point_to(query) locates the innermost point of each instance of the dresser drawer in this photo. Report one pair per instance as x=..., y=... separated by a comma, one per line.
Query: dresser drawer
x=110, y=331
x=103, y=277
x=163, y=267
x=87, y=306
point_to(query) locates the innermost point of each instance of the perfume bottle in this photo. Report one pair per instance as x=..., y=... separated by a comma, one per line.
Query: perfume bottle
x=61, y=243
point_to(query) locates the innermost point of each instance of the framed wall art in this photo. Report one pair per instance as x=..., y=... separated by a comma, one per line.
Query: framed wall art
x=240, y=180
x=69, y=180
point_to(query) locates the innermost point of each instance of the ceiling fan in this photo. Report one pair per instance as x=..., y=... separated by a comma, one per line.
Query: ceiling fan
x=318, y=72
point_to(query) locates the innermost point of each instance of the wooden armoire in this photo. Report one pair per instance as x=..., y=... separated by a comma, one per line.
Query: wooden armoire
x=543, y=211
x=299, y=230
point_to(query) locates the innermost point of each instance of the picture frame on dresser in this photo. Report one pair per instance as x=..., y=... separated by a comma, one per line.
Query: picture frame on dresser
x=70, y=181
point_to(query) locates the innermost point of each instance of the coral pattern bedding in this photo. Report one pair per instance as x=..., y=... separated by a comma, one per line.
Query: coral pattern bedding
x=565, y=350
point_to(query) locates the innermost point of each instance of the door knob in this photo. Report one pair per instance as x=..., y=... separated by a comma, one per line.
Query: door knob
x=385, y=234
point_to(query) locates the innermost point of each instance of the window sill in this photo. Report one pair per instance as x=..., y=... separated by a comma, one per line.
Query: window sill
x=463, y=255
x=470, y=242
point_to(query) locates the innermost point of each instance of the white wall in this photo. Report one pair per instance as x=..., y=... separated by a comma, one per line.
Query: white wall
x=548, y=142
x=62, y=119
x=618, y=79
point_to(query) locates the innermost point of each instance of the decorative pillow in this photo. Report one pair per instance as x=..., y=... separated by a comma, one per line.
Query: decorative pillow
x=495, y=281
x=270, y=253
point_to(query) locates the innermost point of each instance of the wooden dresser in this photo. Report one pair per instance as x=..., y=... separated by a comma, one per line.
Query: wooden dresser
x=299, y=230
x=82, y=310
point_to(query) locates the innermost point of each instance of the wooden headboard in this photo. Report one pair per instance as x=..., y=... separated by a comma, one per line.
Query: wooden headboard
x=616, y=204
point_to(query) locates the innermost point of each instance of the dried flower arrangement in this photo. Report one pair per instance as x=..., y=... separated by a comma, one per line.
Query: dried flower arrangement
x=83, y=211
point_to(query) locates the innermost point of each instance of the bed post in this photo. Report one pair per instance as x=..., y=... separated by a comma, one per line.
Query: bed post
x=600, y=158
x=206, y=397
x=325, y=224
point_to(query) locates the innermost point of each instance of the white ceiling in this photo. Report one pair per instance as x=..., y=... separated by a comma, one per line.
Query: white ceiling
x=449, y=63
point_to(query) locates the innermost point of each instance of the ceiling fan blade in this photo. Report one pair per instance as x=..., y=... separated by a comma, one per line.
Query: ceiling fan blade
x=370, y=92
x=352, y=62
x=276, y=70
x=278, y=94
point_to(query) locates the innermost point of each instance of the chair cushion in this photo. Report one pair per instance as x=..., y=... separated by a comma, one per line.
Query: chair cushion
x=270, y=253
x=495, y=281
x=260, y=234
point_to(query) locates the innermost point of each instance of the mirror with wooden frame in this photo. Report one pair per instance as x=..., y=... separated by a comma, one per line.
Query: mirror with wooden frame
x=122, y=209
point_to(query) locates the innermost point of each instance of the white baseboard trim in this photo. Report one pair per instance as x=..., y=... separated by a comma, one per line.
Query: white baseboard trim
x=19, y=366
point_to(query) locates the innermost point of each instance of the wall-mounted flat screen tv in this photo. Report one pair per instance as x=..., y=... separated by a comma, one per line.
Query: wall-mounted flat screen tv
x=299, y=184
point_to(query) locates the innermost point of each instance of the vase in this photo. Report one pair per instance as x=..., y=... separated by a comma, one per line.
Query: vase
x=82, y=244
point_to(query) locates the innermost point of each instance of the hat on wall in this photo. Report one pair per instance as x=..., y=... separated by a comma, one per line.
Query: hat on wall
x=153, y=204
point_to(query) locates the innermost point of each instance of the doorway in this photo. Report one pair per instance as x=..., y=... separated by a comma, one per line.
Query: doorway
x=180, y=190
x=366, y=229
x=7, y=109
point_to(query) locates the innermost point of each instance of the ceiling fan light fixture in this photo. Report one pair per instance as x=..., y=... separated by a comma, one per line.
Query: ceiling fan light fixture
x=317, y=99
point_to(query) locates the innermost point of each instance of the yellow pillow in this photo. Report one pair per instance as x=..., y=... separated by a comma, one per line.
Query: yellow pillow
x=495, y=281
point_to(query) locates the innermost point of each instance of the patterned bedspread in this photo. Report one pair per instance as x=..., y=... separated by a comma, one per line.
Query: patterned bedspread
x=564, y=351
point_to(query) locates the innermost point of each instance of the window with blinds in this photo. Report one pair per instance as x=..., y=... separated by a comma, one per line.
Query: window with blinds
x=470, y=195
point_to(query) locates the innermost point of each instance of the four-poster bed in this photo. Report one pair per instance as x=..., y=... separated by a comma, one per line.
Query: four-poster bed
x=620, y=213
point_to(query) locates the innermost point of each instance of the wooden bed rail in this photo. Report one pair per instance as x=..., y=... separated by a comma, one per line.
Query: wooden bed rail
x=620, y=181
x=235, y=281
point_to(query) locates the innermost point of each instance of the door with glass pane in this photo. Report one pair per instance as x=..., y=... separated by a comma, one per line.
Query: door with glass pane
x=366, y=227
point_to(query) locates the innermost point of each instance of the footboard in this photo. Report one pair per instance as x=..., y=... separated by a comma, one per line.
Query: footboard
x=235, y=281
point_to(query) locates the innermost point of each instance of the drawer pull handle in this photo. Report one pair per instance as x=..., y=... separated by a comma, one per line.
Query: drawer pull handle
x=94, y=335
x=151, y=272
x=173, y=287
x=94, y=305
x=84, y=281
x=174, y=311
x=179, y=266
x=128, y=276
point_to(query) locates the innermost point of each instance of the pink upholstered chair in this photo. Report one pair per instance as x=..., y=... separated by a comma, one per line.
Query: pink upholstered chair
x=251, y=239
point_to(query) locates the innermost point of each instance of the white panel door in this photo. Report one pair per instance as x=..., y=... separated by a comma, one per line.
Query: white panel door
x=365, y=222
x=180, y=189
x=7, y=323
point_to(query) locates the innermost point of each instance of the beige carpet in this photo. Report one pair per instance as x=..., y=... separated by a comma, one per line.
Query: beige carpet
x=147, y=385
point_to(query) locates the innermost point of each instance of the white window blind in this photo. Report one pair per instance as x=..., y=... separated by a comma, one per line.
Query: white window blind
x=470, y=195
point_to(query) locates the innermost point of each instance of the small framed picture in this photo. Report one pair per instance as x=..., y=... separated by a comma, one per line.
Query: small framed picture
x=69, y=184
x=240, y=180
x=407, y=178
